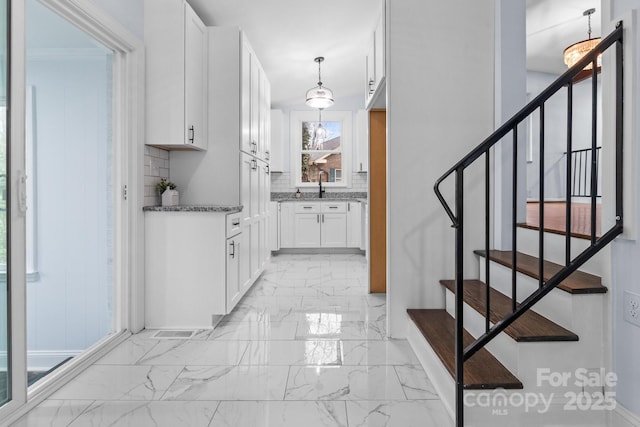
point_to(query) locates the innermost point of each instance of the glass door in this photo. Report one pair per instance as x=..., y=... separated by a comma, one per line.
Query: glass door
x=70, y=191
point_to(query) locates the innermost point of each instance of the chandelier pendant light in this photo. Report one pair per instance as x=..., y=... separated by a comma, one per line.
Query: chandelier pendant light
x=319, y=96
x=576, y=51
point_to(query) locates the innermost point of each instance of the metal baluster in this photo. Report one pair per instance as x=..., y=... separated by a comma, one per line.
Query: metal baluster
x=487, y=236
x=594, y=141
x=541, y=206
x=459, y=345
x=569, y=166
x=514, y=213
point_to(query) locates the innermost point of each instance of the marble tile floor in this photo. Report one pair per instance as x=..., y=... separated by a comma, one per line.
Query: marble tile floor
x=305, y=347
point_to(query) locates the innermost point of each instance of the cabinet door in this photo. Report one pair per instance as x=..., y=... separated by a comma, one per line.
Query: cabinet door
x=307, y=230
x=256, y=255
x=233, y=272
x=247, y=175
x=195, y=79
x=245, y=278
x=354, y=224
x=287, y=225
x=266, y=119
x=275, y=141
x=379, y=43
x=362, y=141
x=334, y=230
x=370, y=71
x=255, y=105
x=245, y=99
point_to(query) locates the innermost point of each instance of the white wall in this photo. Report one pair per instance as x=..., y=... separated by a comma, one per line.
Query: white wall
x=556, y=132
x=70, y=304
x=626, y=253
x=440, y=98
x=130, y=13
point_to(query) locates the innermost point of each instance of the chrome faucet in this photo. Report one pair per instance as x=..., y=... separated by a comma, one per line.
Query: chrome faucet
x=320, y=184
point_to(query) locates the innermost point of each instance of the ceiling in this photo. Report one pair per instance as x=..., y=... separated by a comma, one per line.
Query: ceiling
x=287, y=34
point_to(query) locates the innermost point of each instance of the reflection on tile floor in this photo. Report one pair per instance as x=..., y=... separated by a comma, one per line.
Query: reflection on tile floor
x=306, y=347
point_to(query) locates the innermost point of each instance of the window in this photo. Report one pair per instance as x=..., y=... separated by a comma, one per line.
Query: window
x=320, y=149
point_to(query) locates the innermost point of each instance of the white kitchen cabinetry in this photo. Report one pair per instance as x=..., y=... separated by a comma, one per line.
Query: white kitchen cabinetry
x=276, y=141
x=362, y=141
x=313, y=225
x=176, y=76
x=375, y=61
x=234, y=170
x=287, y=224
x=354, y=224
x=192, y=268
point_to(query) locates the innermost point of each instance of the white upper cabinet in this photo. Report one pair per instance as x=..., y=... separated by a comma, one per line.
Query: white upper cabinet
x=362, y=141
x=375, y=61
x=176, y=76
x=276, y=141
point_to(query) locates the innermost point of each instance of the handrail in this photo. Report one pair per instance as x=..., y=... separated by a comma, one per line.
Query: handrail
x=535, y=103
x=571, y=264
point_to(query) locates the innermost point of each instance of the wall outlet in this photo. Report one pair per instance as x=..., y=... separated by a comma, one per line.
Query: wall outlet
x=632, y=308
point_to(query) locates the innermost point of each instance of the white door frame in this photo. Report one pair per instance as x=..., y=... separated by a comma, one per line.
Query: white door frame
x=128, y=142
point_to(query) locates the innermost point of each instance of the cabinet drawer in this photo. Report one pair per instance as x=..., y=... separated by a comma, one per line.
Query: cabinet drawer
x=234, y=224
x=328, y=207
x=307, y=207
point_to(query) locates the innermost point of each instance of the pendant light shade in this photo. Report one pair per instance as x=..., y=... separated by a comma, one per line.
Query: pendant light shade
x=576, y=51
x=319, y=96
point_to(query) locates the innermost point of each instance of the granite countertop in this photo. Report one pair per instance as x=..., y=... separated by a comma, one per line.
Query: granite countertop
x=313, y=197
x=193, y=208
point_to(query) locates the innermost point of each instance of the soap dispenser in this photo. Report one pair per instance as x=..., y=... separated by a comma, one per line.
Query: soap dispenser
x=298, y=194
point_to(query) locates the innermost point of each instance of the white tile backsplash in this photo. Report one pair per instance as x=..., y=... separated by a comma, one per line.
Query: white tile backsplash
x=156, y=166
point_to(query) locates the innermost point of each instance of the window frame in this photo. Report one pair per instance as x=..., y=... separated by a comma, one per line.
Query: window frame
x=346, y=138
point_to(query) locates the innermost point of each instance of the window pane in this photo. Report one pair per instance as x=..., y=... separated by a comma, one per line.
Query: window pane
x=326, y=162
x=321, y=135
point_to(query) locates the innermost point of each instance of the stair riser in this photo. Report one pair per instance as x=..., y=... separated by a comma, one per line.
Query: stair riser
x=432, y=365
x=524, y=358
x=576, y=312
x=554, y=249
x=479, y=415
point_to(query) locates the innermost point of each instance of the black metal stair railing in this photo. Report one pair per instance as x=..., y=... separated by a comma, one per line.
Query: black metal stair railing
x=566, y=81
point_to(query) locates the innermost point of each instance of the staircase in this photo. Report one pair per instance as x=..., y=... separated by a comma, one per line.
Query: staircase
x=528, y=334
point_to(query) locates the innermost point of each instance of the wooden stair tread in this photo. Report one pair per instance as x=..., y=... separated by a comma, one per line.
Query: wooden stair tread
x=530, y=327
x=578, y=282
x=481, y=371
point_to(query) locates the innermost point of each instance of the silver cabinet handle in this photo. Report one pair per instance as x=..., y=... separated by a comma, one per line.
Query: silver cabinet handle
x=236, y=222
x=232, y=245
x=254, y=164
x=333, y=207
x=318, y=218
x=349, y=207
x=192, y=134
x=267, y=170
x=307, y=207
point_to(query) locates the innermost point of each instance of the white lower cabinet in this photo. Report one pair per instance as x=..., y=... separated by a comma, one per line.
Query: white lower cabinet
x=319, y=224
x=193, y=268
x=307, y=230
x=234, y=290
x=354, y=224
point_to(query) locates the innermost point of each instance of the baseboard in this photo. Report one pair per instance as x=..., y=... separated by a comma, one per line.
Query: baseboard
x=626, y=415
x=319, y=251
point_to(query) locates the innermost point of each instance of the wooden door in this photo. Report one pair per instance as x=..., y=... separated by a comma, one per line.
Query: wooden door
x=378, y=201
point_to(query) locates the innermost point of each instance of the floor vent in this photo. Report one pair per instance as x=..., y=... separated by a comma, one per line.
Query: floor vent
x=176, y=335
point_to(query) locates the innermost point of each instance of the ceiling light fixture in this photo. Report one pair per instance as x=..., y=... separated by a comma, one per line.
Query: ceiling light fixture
x=319, y=96
x=576, y=51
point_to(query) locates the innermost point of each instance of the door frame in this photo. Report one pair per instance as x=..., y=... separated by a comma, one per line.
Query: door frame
x=128, y=155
